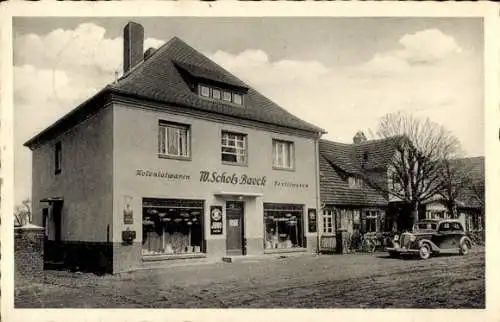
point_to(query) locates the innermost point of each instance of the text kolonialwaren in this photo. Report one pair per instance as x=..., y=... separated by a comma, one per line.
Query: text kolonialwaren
x=221, y=177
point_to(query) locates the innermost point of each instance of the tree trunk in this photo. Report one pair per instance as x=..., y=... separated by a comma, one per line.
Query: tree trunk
x=414, y=214
x=450, y=206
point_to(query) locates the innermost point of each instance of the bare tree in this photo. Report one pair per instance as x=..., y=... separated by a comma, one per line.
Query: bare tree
x=22, y=213
x=454, y=182
x=416, y=168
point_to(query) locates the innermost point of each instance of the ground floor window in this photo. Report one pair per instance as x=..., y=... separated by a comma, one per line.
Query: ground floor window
x=283, y=225
x=371, y=221
x=328, y=221
x=172, y=226
x=437, y=214
x=473, y=222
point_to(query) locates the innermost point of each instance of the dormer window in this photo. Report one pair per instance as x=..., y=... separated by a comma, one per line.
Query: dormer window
x=216, y=93
x=355, y=182
x=204, y=91
x=237, y=99
x=226, y=96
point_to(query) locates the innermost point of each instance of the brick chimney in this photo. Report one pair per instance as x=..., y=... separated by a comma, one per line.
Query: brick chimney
x=359, y=138
x=133, y=45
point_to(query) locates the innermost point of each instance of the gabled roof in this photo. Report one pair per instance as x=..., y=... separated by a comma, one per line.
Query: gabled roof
x=159, y=78
x=338, y=161
x=470, y=196
x=357, y=158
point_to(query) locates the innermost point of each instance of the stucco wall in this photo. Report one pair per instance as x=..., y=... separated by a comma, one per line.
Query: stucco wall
x=136, y=145
x=85, y=182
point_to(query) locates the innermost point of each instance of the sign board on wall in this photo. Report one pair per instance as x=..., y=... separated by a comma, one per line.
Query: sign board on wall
x=312, y=219
x=128, y=212
x=216, y=220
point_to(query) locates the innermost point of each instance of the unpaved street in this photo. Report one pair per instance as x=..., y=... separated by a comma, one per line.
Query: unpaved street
x=327, y=281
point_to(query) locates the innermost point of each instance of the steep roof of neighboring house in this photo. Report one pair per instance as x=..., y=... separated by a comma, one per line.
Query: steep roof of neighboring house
x=339, y=160
x=356, y=158
x=471, y=195
x=162, y=78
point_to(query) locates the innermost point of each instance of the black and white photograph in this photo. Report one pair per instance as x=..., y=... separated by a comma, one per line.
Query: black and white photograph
x=211, y=161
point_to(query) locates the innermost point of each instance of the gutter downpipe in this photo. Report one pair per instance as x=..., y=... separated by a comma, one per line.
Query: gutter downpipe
x=318, y=197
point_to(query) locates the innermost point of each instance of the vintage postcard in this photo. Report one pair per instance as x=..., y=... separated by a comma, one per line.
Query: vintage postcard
x=187, y=161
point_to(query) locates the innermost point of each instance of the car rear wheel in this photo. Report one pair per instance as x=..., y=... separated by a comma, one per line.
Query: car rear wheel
x=424, y=251
x=464, y=248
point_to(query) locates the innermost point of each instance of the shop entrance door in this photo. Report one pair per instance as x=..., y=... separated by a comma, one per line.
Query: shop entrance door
x=235, y=228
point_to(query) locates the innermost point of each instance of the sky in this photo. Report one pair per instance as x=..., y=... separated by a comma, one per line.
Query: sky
x=342, y=74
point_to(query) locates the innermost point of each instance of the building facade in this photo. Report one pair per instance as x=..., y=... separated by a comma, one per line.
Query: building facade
x=470, y=198
x=176, y=159
x=349, y=201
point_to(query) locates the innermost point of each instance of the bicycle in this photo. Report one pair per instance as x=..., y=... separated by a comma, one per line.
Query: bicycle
x=368, y=243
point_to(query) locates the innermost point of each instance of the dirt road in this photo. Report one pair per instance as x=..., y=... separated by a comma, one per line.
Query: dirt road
x=345, y=281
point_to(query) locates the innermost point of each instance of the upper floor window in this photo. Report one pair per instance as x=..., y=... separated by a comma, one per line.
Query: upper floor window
x=58, y=158
x=173, y=140
x=283, y=154
x=355, y=182
x=234, y=148
x=220, y=94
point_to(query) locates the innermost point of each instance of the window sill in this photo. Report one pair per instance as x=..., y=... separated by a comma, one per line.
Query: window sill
x=285, y=250
x=283, y=169
x=173, y=157
x=161, y=257
x=235, y=164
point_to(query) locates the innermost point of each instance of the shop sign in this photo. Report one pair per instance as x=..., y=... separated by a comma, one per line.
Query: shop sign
x=128, y=212
x=231, y=178
x=216, y=220
x=161, y=174
x=312, y=219
x=286, y=184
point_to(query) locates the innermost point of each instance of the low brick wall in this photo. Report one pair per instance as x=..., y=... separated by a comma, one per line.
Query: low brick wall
x=28, y=253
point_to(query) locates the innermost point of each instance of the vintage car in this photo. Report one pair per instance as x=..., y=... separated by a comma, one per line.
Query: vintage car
x=431, y=237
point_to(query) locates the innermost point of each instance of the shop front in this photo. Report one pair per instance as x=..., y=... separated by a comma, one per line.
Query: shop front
x=172, y=227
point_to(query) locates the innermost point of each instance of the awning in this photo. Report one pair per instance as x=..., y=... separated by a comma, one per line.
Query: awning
x=237, y=194
x=52, y=199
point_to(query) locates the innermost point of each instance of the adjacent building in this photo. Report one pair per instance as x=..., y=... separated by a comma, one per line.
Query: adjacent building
x=176, y=159
x=470, y=199
x=348, y=201
x=349, y=174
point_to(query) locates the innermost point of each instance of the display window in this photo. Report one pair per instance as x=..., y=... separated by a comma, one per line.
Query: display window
x=172, y=226
x=283, y=226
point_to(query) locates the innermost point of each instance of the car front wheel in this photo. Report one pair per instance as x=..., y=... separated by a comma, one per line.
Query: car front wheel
x=393, y=254
x=464, y=248
x=424, y=251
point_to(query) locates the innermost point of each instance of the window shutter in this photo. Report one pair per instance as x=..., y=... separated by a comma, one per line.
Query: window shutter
x=379, y=222
x=363, y=222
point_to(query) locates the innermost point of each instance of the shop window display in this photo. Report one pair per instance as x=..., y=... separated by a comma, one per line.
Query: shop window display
x=283, y=226
x=172, y=227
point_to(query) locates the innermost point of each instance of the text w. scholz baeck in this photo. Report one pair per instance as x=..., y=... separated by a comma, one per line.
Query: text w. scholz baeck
x=231, y=178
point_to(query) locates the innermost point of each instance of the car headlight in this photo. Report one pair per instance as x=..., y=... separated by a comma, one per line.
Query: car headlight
x=413, y=238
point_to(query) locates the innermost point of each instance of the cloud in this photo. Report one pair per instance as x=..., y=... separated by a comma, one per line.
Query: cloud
x=55, y=72
x=428, y=76
x=347, y=99
x=426, y=47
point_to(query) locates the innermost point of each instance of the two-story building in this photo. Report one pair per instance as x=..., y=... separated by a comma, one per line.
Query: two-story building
x=176, y=159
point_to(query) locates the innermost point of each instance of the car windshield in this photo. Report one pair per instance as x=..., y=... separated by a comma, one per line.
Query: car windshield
x=425, y=226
